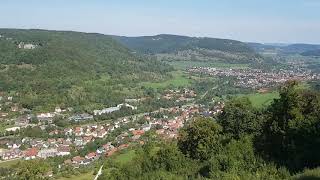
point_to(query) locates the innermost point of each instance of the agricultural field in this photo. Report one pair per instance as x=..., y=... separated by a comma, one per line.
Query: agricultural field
x=179, y=79
x=182, y=65
x=7, y=164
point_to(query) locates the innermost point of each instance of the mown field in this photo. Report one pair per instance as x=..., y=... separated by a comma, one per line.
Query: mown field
x=261, y=100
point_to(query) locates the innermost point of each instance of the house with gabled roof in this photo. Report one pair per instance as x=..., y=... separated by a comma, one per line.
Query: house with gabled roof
x=30, y=153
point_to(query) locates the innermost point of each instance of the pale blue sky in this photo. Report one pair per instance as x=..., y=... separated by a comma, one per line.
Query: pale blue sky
x=287, y=21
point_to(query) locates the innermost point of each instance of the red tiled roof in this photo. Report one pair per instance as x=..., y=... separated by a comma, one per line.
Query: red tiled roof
x=31, y=152
x=91, y=155
x=138, y=132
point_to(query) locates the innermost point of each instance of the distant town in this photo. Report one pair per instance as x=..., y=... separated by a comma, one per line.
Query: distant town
x=257, y=78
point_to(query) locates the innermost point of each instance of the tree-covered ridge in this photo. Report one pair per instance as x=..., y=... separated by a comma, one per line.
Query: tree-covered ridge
x=190, y=48
x=171, y=43
x=69, y=68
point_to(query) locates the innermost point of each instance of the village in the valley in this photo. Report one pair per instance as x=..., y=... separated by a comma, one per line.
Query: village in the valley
x=118, y=134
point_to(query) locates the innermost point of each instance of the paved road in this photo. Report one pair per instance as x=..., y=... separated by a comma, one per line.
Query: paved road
x=99, y=173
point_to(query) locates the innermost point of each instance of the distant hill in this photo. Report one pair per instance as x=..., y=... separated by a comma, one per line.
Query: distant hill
x=174, y=47
x=48, y=68
x=284, y=49
x=300, y=48
x=311, y=53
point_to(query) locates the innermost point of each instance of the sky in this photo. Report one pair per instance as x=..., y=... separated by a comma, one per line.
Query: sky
x=265, y=21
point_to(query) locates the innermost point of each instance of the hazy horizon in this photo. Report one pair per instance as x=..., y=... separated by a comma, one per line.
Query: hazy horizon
x=262, y=21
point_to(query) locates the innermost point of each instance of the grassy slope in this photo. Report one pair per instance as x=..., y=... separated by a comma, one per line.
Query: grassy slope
x=125, y=157
x=86, y=176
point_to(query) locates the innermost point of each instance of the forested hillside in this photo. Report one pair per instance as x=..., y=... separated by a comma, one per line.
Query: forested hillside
x=49, y=68
x=173, y=47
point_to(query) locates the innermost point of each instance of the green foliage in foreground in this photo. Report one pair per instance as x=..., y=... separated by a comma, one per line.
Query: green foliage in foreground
x=244, y=143
x=308, y=174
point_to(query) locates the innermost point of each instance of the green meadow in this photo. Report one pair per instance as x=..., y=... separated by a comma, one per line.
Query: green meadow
x=261, y=100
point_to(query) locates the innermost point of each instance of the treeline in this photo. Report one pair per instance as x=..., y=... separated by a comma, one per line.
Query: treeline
x=241, y=143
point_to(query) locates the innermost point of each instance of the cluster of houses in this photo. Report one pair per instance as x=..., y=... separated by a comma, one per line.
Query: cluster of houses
x=256, y=78
x=105, y=150
x=38, y=149
x=73, y=137
x=184, y=95
x=167, y=128
x=167, y=122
